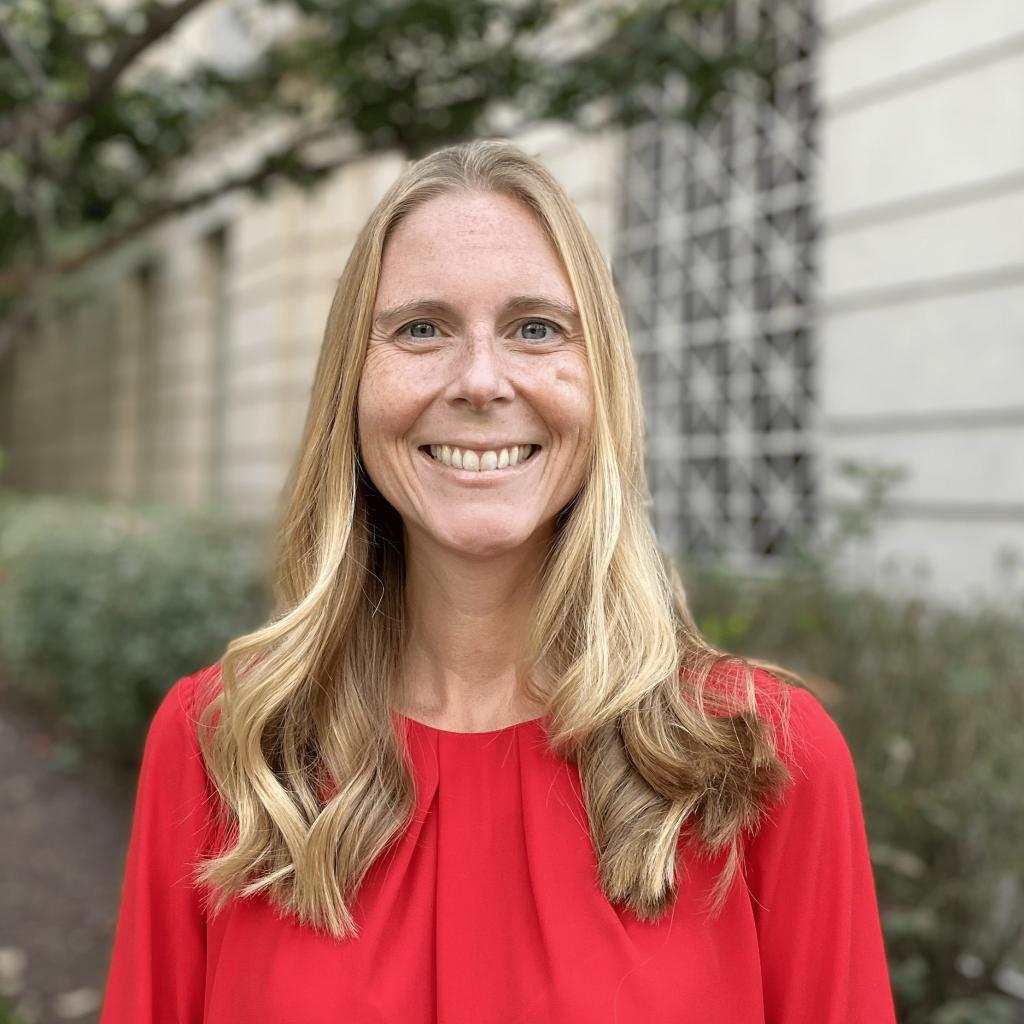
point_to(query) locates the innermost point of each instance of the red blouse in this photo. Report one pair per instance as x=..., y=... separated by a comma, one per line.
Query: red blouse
x=487, y=909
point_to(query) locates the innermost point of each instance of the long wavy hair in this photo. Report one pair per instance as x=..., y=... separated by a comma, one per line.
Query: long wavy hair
x=299, y=735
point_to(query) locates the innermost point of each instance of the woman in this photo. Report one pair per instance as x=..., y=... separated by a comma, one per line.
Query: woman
x=481, y=766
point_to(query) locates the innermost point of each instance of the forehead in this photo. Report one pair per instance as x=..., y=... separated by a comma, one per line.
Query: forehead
x=465, y=241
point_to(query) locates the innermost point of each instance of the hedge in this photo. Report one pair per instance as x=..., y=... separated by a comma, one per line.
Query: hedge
x=102, y=606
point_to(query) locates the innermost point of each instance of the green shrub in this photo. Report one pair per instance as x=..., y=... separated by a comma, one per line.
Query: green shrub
x=102, y=606
x=931, y=701
x=7, y=1014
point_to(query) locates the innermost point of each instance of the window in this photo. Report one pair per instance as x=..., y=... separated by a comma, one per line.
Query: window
x=716, y=269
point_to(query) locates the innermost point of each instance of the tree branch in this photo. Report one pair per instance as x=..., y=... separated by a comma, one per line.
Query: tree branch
x=40, y=202
x=24, y=59
x=102, y=80
x=21, y=278
x=272, y=165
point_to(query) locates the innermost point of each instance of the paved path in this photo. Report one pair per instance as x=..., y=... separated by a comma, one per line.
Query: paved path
x=63, y=838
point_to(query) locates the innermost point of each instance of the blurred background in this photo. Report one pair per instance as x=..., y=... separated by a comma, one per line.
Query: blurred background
x=814, y=213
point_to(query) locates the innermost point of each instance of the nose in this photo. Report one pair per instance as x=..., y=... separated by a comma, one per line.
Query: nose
x=479, y=370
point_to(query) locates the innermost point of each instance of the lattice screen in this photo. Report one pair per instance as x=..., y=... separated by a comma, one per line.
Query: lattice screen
x=716, y=269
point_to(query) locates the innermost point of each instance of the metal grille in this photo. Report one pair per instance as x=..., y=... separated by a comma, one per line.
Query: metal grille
x=716, y=270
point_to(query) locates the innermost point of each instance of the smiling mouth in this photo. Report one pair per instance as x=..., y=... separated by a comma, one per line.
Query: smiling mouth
x=497, y=462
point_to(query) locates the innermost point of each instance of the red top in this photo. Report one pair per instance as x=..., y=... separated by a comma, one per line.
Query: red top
x=487, y=909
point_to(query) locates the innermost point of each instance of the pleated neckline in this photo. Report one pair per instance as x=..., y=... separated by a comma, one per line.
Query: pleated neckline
x=530, y=723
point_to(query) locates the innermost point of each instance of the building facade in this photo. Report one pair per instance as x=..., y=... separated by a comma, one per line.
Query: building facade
x=834, y=279
x=829, y=290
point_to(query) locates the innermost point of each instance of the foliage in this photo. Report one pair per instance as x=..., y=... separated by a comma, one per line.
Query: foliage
x=93, y=130
x=930, y=699
x=102, y=607
x=7, y=1014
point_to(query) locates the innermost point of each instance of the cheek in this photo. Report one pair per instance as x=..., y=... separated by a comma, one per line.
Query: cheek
x=386, y=405
x=371, y=399
x=572, y=397
x=368, y=407
x=380, y=425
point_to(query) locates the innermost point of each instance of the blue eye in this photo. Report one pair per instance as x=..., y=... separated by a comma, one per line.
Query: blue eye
x=529, y=324
x=411, y=328
x=425, y=330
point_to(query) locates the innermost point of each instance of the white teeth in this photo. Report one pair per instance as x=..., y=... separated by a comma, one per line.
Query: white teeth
x=489, y=460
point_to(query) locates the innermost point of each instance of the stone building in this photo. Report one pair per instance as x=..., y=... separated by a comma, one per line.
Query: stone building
x=837, y=277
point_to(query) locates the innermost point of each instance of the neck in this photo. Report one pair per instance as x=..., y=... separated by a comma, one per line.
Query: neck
x=466, y=623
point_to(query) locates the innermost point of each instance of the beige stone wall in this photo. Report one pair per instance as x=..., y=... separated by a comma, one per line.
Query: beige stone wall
x=922, y=325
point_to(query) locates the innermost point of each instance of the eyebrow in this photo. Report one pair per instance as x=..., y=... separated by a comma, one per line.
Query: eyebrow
x=518, y=304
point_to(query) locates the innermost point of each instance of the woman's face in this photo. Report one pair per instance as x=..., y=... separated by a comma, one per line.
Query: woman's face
x=476, y=346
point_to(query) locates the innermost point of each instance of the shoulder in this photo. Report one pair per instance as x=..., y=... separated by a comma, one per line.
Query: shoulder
x=174, y=789
x=822, y=792
x=173, y=727
x=809, y=741
x=807, y=738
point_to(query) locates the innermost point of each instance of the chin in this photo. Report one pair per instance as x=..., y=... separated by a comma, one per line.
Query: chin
x=483, y=540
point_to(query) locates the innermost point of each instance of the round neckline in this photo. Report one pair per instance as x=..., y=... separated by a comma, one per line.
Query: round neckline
x=486, y=732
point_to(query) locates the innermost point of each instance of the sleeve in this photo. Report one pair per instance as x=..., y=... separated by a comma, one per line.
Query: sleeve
x=158, y=963
x=823, y=959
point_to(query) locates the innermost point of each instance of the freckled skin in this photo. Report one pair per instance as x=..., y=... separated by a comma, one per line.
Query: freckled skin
x=477, y=372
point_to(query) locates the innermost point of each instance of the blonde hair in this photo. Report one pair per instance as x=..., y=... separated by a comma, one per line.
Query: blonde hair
x=663, y=741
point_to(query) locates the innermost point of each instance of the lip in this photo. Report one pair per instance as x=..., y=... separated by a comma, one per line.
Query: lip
x=482, y=476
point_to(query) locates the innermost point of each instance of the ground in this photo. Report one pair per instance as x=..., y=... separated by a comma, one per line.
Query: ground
x=65, y=833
